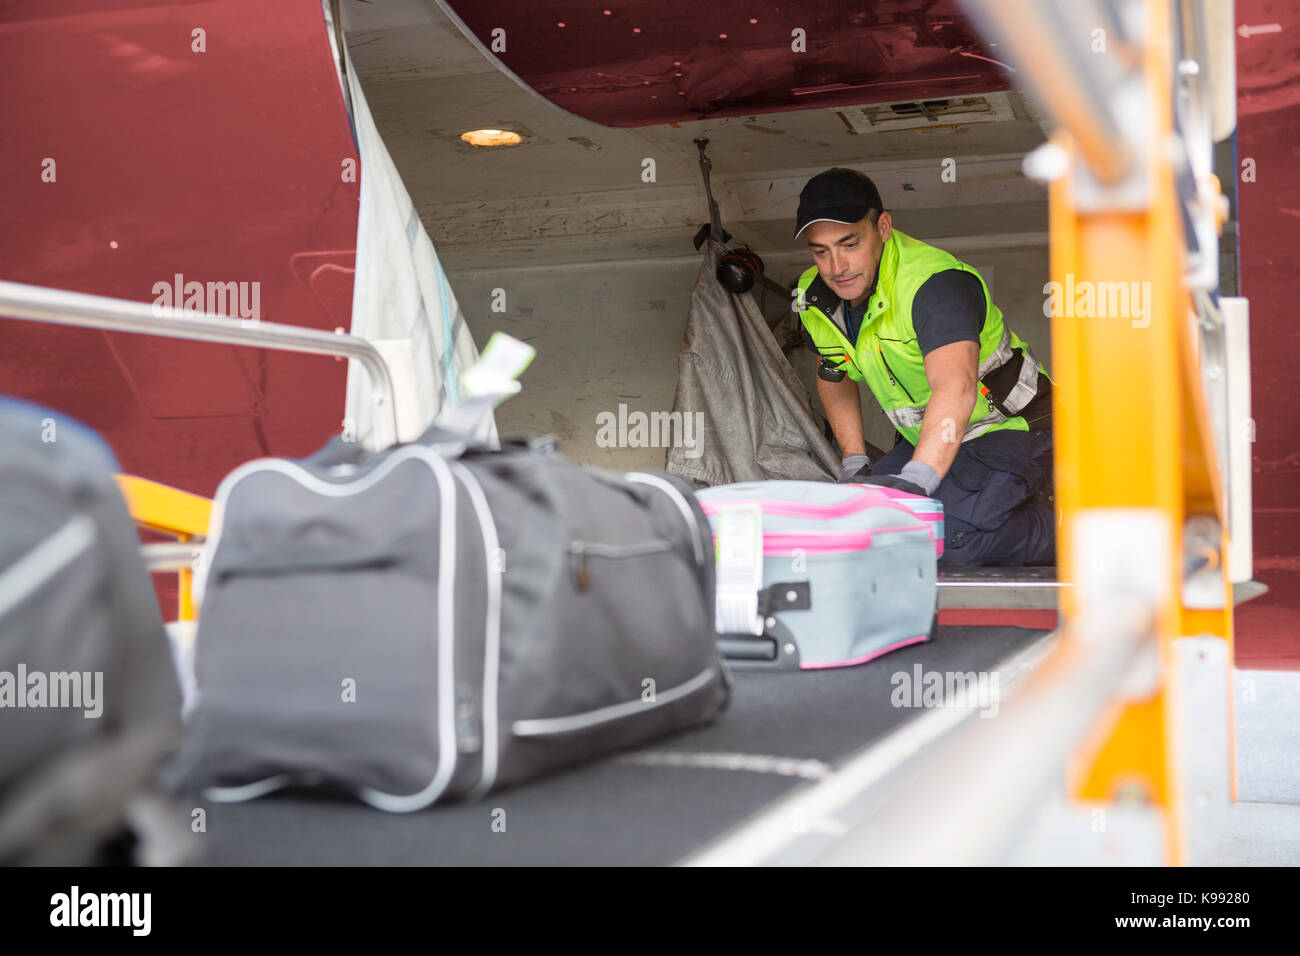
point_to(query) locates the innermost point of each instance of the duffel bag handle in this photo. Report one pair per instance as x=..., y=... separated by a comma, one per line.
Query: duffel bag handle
x=453, y=444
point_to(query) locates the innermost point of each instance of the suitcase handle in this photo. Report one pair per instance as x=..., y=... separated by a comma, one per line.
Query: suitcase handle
x=790, y=596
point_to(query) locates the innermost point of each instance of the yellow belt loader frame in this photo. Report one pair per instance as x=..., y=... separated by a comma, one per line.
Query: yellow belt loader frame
x=1138, y=482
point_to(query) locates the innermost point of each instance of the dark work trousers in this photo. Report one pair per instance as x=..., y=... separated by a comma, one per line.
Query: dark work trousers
x=990, y=514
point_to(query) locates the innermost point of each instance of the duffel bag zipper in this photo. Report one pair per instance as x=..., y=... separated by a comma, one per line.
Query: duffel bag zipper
x=682, y=504
x=306, y=563
x=579, y=551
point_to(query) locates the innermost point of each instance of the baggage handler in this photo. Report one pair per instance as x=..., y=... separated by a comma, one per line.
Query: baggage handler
x=971, y=405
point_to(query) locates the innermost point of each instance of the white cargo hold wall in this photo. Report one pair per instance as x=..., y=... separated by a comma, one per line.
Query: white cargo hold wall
x=401, y=297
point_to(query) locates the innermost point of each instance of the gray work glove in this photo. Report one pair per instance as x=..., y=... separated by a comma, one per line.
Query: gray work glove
x=854, y=467
x=921, y=474
x=916, y=478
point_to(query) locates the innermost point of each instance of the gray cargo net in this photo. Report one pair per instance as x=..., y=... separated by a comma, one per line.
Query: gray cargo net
x=758, y=419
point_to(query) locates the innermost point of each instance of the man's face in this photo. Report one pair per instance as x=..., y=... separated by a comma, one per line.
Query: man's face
x=848, y=256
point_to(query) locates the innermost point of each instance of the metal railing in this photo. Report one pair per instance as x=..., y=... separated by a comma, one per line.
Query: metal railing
x=170, y=556
x=40, y=304
x=1004, y=767
x=1075, y=87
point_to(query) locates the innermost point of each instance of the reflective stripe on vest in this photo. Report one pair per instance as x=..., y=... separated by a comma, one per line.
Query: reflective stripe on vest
x=1026, y=384
x=909, y=416
x=999, y=357
x=1026, y=387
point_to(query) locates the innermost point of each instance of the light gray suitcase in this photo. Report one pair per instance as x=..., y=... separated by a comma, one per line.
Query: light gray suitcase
x=834, y=574
x=437, y=620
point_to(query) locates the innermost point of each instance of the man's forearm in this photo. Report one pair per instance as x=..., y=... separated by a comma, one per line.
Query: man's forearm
x=945, y=420
x=843, y=407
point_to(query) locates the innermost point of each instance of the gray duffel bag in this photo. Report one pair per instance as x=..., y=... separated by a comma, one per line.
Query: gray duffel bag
x=438, y=620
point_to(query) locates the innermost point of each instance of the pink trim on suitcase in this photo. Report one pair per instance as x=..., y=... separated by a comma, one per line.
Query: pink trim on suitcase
x=899, y=494
x=887, y=491
x=789, y=542
x=791, y=509
x=795, y=509
x=865, y=657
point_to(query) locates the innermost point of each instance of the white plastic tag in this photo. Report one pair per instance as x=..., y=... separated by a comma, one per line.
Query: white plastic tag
x=739, y=568
x=488, y=382
x=502, y=361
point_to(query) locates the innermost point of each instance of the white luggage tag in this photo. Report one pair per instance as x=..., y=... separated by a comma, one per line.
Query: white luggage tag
x=739, y=567
x=487, y=383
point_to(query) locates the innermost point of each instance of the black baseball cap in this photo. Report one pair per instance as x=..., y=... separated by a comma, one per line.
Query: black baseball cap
x=837, y=195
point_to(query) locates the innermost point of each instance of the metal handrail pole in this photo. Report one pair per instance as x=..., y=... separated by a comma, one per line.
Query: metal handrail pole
x=60, y=306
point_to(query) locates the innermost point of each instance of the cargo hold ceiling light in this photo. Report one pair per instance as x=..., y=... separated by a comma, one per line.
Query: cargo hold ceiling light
x=492, y=137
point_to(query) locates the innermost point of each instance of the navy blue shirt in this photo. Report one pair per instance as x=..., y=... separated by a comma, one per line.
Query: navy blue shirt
x=949, y=307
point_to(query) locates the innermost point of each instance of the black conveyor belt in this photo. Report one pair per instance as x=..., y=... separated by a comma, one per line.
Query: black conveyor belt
x=613, y=811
